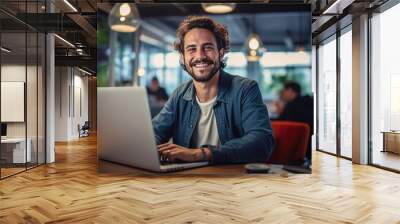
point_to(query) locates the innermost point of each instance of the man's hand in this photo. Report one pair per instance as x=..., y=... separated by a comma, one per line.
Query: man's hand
x=174, y=152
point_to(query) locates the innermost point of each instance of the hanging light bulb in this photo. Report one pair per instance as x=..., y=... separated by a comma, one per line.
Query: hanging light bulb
x=254, y=47
x=124, y=9
x=254, y=42
x=218, y=8
x=124, y=17
x=141, y=72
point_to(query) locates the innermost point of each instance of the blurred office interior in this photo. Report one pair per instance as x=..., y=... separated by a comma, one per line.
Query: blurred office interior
x=343, y=53
x=340, y=52
x=282, y=51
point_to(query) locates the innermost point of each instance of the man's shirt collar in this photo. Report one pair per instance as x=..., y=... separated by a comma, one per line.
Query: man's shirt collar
x=223, y=86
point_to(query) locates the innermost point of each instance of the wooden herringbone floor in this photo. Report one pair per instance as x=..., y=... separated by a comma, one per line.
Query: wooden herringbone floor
x=73, y=191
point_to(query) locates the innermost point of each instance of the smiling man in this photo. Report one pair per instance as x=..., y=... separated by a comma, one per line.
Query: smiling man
x=216, y=117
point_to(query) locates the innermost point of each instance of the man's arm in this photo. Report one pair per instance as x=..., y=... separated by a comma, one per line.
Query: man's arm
x=164, y=121
x=256, y=145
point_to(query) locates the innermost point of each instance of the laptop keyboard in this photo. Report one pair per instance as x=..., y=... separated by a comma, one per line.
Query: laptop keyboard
x=178, y=164
x=164, y=161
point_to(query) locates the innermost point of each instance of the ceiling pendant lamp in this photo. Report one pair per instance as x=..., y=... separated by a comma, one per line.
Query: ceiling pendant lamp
x=254, y=42
x=218, y=8
x=124, y=17
x=253, y=45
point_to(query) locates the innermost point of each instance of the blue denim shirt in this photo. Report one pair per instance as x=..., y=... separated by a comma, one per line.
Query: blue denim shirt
x=242, y=120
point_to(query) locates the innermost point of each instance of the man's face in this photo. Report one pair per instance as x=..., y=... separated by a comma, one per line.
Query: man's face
x=288, y=95
x=154, y=84
x=200, y=54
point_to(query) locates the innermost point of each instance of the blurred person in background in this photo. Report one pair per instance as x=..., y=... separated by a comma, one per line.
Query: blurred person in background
x=157, y=96
x=157, y=91
x=296, y=107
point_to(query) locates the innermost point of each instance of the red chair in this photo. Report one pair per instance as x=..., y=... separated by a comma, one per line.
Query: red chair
x=291, y=139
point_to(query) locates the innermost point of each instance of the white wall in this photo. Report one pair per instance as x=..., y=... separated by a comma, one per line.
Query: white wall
x=33, y=127
x=62, y=81
x=80, y=110
x=71, y=93
x=13, y=73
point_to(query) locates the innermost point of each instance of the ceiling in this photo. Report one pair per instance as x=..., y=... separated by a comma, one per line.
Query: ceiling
x=19, y=53
x=283, y=31
x=283, y=25
x=32, y=16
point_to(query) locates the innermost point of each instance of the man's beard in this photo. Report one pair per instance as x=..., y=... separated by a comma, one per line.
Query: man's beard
x=215, y=68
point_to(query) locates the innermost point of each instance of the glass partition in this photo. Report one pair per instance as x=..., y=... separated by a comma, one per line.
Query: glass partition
x=327, y=96
x=14, y=153
x=346, y=94
x=22, y=89
x=385, y=89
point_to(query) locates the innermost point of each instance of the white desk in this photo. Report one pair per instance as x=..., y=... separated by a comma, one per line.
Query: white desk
x=17, y=145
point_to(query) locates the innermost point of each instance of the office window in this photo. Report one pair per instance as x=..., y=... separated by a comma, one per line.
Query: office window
x=156, y=66
x=173, y=71
x=327, y=96
x=236, y=63
x=275, y=69
x=279, y=67
x=385, y=84
x=171, y=79
x=13, y=87
x=157, y=60
x=143, y=65
x=160, y=63
x=346, y=94
x=22, y=94
x=172, y=59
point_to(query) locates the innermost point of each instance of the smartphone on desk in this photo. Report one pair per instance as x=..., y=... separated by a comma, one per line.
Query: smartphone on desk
x=297, y=169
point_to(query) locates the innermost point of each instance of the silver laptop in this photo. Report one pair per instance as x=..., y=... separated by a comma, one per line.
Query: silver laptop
x=125, y=133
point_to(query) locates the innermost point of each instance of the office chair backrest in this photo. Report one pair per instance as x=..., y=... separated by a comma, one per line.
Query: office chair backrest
x=86, y=125
x=291, y=139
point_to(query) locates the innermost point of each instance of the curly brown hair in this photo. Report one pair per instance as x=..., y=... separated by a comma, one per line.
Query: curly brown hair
x=220, y=32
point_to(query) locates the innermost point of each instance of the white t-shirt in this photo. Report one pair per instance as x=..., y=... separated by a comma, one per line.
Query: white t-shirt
x=206, y=131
